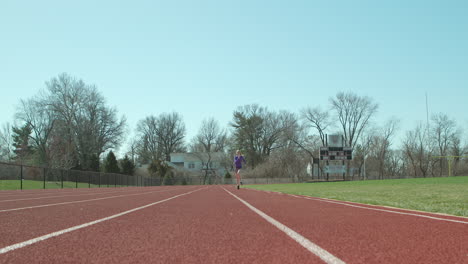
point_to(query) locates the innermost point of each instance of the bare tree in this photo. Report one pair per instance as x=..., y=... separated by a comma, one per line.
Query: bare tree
x=6, y=143
x=443, y=133
x=97, y=127
x=298, y=134
x=210, y=138
x=382, y=142
x=171, y=133
x=71, y=123
x=148, y=147
x=65, y=96
x=35, y=113
x=354, y=113
x=160, y=136
x=289, y=128
x=457, y=149
x=395, y=163
x=361, y=153
x=132, y=151
x=62, y=151
x=317, y=119
x=418, y=151
x=272, y=131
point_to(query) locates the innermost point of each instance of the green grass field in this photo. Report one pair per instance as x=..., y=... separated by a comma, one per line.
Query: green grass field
x=29, y=185
x=447, y=195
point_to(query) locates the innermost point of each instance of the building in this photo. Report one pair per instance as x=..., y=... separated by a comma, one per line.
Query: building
x=197, y=161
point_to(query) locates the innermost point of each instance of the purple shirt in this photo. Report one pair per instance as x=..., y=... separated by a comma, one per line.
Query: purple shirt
x=238, y=161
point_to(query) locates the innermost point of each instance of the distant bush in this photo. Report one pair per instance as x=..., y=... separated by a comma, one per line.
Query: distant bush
x=168, y=178
x=184, y=181
x=284, y=164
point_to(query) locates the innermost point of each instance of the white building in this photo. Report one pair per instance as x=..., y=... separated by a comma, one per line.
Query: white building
x=197, y=161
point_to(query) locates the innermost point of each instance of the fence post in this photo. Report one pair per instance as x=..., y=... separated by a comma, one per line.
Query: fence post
x=89, y=180
x=115, y=180
x=99, y=179
x=21, y=177
x=44, y=172
x=76, y=180
x=61, y=177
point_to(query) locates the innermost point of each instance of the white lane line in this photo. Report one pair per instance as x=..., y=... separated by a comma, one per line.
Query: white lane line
x=70, y=195
x=61, y=232
x=81, y=201
x=315, y=249
x=40, y=192
x=46, y=197
x=374, y=209
x=383, y=210
x=64, y=193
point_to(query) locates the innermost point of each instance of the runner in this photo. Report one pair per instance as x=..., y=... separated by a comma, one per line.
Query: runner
x=238, y=159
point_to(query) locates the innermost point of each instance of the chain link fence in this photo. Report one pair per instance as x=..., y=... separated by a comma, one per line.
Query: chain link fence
x=31, y=177
x=16, y=176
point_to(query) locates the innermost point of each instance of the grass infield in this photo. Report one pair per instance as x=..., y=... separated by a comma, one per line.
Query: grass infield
x=448, y=195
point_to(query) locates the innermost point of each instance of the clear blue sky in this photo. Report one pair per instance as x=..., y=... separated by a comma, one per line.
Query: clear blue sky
x=205, y=58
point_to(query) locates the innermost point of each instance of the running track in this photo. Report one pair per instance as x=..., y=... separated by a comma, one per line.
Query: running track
x=217, y=224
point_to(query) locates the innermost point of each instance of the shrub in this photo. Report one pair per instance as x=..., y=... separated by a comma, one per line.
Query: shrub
x=168, y=178
x=184, y=181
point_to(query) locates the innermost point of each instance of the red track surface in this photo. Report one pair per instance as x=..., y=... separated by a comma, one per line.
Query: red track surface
x=209, y=225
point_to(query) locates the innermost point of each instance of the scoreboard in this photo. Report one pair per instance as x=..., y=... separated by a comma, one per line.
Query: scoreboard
x=336, y=153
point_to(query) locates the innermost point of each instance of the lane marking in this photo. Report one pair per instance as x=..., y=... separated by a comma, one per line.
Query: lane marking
x=385, y=210
x=39, y=192
x=81, y=201
x=46, y=197
x=64, y=231
x=33, y=193
x=315, y=249
x=326, y=200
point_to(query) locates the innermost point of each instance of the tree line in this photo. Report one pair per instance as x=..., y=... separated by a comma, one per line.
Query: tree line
x=69, y=125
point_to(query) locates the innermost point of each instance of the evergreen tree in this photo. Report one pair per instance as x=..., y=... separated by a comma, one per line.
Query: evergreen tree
x=159, y=168
x=21, y=141
x=127, y=165
x=94, y=163
x=111, y=164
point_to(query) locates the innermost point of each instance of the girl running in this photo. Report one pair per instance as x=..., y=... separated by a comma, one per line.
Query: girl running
x=238, y=159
